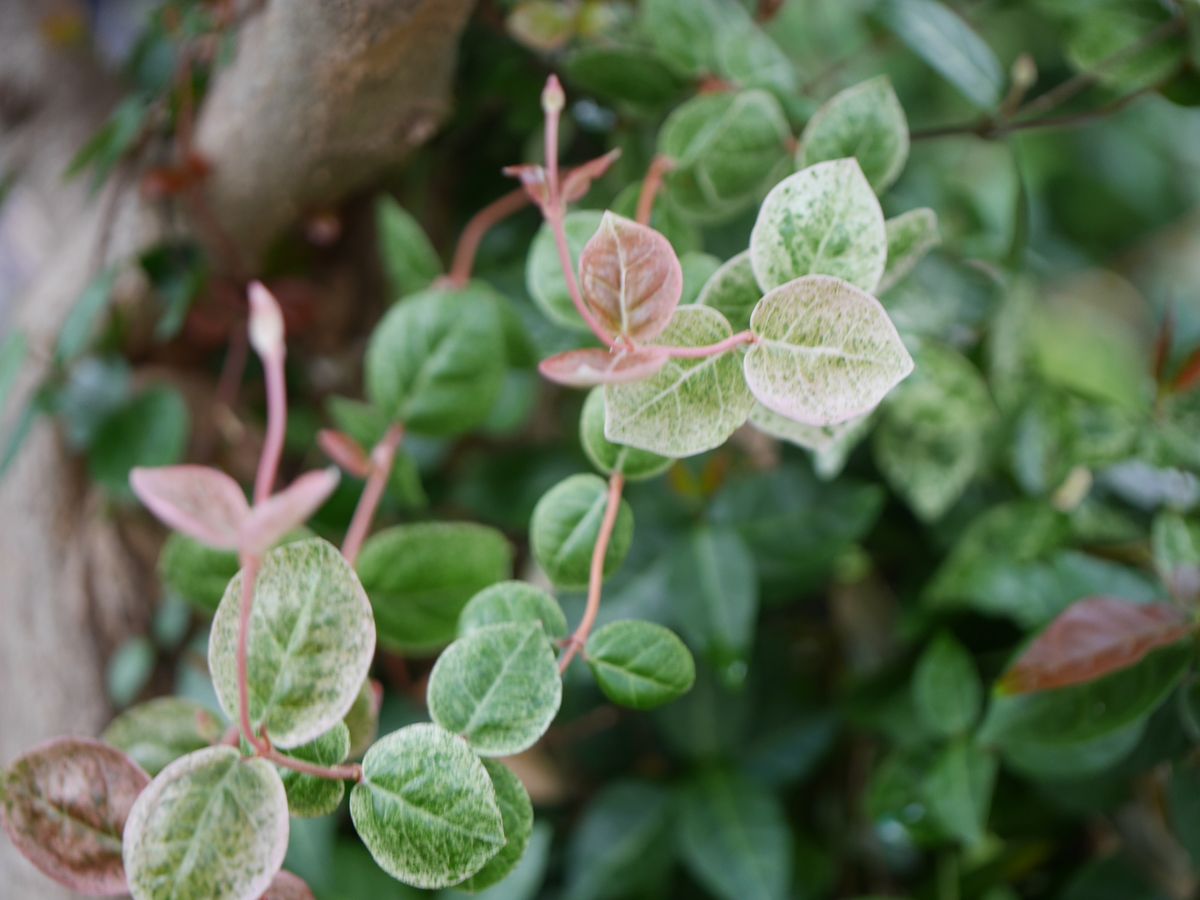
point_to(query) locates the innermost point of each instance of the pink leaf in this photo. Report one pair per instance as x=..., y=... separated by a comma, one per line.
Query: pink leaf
x=266, y=322
x=200, y=502
x=630, y=277
x=287, y=886
x=579, y=180
x=585, y=368
x=345, y=451
x=290, y=508
x=65, y=806
x=1092, y=638
x=533, y=179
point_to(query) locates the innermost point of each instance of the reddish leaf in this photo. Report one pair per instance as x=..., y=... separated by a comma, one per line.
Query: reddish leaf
x=586, y=368
x=345, y=451
x=579, y=180
x=630, y=277
x=287, y=886
x=290, y=508
x=65, y=805
x=1189, y=375
x=533, y=179
x=1092, y=638
x=200, y=502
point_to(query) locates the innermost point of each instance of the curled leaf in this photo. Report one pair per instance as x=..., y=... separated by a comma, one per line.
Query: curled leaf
x=579, y=180
x=202, y=503
x=587, y=368
x=1092, y=638
x=290, y=508
x=344, y=451
x=631, y=278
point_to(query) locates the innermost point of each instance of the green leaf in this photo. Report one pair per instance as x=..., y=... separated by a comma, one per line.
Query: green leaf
x=426, y=808
x=212, y=824
x=151, y=430
x=309, y=797
x=419, y=578
x=733, y=291
x=498, y=688
x=690, y=405
x=1113, y=29
x=946, y=688
x=910, y=236
x=566, y=525
x=748, y=57
x=727, y=149
x=624, y=73
x=65, y=804
x=826, y=351
x=948, y=45
x=408, y=257
x=81, y=322
x=698, y=268
x=13, y=351
x=823, y=220
x=1176, y=546
x=196, y=572
x=734, y=838
x=865, y=122
x=112, y=141
x=159, y=731
x=958, y=790
x=1183, y=804
x=516, y=813
x=830, y=444
x=363, y=718
x=621, y=846
x=513, y=601
x=436, y=361
x=933, y=436
x=311, y=642
x=685, y=31
x=713, y=584
x=640, y=664
x=608, y=457
x=544, y=277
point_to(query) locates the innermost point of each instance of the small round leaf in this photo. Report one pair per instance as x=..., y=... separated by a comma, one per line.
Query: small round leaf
x=866, y=122
x=566, y=524
x=640, y=664
x=513, y=601
x=733, y=291
x=608, y=457
x=308, y=796
x=517, y=814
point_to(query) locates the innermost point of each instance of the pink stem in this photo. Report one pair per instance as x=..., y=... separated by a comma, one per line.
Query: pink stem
x=651, y=185
x=250, y=565
x=742, y=337
x=268, y=463
x=481, y=223
x=616, y=483
x=351, y=772
x=382, y=458
x=552, y=116
x=554, y=216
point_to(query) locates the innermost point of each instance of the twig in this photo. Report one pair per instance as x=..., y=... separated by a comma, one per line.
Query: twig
x=651, y=185
x=481, y=223
x=382, y=458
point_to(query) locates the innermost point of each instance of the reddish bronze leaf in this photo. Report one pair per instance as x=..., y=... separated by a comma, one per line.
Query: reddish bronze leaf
x=631, y=278
x=345, y=451
x=65, y=805
x=587, y=368
x=287, y=886
x=533, y=179
x=1092, y=638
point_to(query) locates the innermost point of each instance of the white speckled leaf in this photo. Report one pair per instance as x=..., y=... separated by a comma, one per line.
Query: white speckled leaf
x=640, y=664
x=630, y=277
x=830, y=444
x=543, y=272
x=910, y=236
x=733, y=291
x=308, y=796
x=691, y=405
x=826, y=351
x=517, y=814
x=159, y=731
x=566, y=524
x=608, y=457
x=513, y=601
x=498, y=687
x=311, y=642
x=823, y=220
x=212, y=825
x=587, y=368
x=866, y=122
x=426, y=808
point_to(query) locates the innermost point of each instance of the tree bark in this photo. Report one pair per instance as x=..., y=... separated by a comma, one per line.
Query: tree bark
x=321, y=96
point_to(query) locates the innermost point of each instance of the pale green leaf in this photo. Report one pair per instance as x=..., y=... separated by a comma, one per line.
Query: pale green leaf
x=516, y=812
x=910, y=236
x=946, y=689
x=419, y=577
x=159, y=731
x=824, y=220
x=608, y=457
x=426, y=808
x=566, y=524
x=81, y=322
x=622, y=845
x=640, y=664
x=685, y=31
x=733, y=291
x=748, y=57
x=830, y=444
x=513, y=601
x=362, y=721
x=409, y=260
x=498, y=687
x=311, y=642
x=958, y=790
x=1114, y=30
x=308, y=796
x=691, y=405
x=151, y=430
x=865, y=122
x=13, y=350
x=211, y=825
x=697, y=267
x=543, y=271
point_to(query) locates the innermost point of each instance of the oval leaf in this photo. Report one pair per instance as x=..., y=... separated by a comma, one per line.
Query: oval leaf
x=640, y=664
x=587, y=368
x=289, y=509
x=824, y=220
x=65, y=804
x=212, y=825
x=426, y=808
x=733, y=291
x=566, y=524
x=608, y=457
x=865, y=122
x=158, y=732
x=308, y=796
x=498, y=687
x=826, y=351
x=1093, y=637
x=631, y=278
x=516, y=812
x=946, y=690
x=311, y=642
x=691, y=405
x=513, y=601
x=201, y=502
